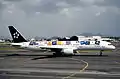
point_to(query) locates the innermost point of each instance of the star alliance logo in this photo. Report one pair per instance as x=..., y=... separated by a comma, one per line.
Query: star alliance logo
x=16, y=35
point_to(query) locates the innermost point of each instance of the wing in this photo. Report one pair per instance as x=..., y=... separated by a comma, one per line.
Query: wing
x=57, y=47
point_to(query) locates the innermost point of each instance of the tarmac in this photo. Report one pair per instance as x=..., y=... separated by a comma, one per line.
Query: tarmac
x=21, y=64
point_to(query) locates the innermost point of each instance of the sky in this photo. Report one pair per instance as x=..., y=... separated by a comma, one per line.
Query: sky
x=48, y=18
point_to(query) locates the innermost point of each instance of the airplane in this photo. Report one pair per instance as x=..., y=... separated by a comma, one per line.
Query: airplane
x=59, y=47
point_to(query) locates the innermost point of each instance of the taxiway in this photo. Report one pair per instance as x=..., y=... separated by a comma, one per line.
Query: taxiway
x=38, y=65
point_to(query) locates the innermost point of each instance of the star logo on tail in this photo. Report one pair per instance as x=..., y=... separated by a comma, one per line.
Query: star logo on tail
x=16, y=35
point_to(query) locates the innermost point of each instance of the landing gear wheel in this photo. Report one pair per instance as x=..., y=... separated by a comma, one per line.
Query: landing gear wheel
x=57, y=54
x=54, y=54
x=101, y=53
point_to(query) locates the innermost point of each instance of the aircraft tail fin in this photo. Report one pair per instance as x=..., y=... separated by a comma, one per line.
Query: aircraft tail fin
x=17, y=37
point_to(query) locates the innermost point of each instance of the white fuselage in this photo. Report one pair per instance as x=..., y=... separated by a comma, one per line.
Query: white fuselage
x=75, y=45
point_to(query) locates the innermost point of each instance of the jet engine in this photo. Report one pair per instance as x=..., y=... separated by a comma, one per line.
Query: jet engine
x=68, y=51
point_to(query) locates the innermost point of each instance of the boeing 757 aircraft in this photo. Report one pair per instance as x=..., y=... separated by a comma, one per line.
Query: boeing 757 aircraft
x=59, y=47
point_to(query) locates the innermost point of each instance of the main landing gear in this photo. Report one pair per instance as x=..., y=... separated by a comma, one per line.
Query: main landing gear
x=58, y=54
x=101, y=53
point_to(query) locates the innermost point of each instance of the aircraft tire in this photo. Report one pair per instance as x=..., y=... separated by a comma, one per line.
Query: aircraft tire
x=58, y=54
x=101, y=53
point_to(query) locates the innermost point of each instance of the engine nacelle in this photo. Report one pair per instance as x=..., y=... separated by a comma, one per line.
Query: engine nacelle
x=68, y=51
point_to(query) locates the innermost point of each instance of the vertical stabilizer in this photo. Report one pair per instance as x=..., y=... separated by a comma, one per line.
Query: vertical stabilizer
x=17, y=37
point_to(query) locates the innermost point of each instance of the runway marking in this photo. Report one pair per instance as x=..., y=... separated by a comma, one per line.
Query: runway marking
x=85, y=66
x=73, y=74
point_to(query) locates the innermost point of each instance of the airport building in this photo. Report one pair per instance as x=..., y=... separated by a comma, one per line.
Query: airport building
x=80, y=38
